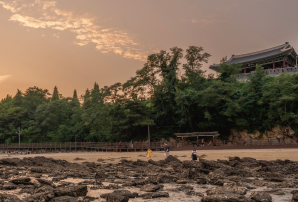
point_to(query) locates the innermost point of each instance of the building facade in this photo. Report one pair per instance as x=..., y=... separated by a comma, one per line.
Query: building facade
x=276, y=60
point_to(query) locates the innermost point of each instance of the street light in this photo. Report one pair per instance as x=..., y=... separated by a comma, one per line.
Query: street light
x=19, y=133
x=149, y=136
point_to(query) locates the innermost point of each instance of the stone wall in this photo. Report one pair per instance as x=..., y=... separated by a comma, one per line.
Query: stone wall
x=269, y=72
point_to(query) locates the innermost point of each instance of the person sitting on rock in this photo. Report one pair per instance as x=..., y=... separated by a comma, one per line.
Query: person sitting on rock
x=149, y=154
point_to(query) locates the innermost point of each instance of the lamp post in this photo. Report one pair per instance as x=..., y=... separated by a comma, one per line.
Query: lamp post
x=149, y=136
x=19, y=133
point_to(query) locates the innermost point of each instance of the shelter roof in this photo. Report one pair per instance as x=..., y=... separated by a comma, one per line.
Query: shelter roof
x=197, y=134
x=258, y=55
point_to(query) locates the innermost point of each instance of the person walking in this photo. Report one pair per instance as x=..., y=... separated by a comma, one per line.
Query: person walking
x=131, y=144
x=194, y=154
x=167, y=149
x=203, y=142
x=149, y=154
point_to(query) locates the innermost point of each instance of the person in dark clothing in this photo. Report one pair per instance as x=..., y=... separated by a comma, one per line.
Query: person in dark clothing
x=194, y=154
x=167, y=149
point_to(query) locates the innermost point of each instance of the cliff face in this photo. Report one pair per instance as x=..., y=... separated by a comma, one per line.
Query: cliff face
x=275, y=136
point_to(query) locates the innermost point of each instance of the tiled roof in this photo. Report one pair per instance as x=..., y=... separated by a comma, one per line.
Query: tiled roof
x=257, y=55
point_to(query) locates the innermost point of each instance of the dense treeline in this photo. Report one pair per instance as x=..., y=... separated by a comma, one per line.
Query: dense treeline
x=159, y=96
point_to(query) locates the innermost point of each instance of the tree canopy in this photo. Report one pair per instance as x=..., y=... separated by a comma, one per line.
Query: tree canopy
x=164, y=94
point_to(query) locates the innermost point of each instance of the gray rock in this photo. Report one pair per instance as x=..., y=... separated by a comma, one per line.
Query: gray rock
x=9, y=198
x=171, y=158
x=154, y=195
x=23, y=180
x=261, y=197
x=41, y=197
x=9, y=186
x=65, y=199
x=45, y=188
x=295, y=198
x=224, y=190
x=225, y=198
x=46, y=182
x=150, y=188
x=71, y=191
x=39, y=170
x=11, y=161
x=117, y=198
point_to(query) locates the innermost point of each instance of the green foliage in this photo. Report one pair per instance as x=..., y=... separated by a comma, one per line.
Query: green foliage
x=158, y=96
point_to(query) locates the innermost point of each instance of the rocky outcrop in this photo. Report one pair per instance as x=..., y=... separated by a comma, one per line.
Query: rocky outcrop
x=275, y=136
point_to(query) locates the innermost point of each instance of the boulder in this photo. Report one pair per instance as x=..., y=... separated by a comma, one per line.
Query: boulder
x=9, y=198
x=236, y=158
x=39, y=170
x=41, y=197
x=140, y=163
x=65, y=199
x=46, y=182
x=224, y=190
x=181, y=181
x=23, y=180
x=75, y=191
x=261, y=197
x=9, y=186
x=154, y=195
x=171, y=158
x=150, y=188
x=117, y=198
x=11, y=161
x=129, y=184
x=45, y=188
x=225, y=198
x=122, y=193
x=201, y=181
x=193, y=193
x=295, y=198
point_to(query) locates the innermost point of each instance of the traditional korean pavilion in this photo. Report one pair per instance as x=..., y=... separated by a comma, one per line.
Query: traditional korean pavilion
x=282, y=56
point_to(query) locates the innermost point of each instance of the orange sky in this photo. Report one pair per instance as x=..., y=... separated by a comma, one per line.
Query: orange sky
x=74, y=43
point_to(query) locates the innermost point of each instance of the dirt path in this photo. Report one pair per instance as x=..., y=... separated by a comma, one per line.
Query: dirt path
x=114, y=157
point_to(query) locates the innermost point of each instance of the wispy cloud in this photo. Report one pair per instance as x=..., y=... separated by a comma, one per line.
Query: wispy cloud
x=4, y=77
x=109, y=40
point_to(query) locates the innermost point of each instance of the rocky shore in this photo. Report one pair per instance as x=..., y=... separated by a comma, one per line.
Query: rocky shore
x=41, y=179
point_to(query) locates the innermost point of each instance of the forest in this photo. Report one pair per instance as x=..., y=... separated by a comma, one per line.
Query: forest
x=166, y=95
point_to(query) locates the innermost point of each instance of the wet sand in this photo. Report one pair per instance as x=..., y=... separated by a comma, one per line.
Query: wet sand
x=114, y=157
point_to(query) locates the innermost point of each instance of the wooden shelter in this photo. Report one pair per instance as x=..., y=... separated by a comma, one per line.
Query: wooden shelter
x=197, y=134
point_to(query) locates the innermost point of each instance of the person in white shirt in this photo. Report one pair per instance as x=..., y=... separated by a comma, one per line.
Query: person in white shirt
x=194, y=154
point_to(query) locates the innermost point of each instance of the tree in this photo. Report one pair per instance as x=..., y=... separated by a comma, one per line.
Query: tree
x=55, y=95
x=75, y=95
x=226, y=71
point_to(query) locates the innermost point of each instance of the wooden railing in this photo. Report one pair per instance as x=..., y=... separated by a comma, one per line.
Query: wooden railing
x=125, y=146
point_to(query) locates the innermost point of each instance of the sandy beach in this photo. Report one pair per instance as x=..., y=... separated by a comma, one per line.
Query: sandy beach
x=114, y=157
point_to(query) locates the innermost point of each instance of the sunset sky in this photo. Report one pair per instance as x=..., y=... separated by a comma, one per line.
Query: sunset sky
x=73, y=43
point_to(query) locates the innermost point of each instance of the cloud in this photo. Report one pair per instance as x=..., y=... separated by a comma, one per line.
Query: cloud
x=4, y=77
x=106, y=40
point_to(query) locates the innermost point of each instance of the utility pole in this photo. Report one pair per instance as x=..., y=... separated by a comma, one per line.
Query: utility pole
x=19, y=138
x=149, y=135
